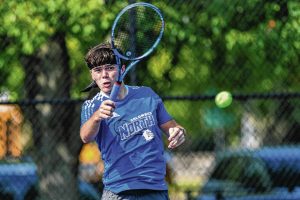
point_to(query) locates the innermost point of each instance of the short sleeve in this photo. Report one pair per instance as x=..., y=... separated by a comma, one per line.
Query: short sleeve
x=162, y=115
x=87, y=111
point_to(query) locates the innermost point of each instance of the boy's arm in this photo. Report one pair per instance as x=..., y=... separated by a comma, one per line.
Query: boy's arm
x=176, y=133
x=90, y=128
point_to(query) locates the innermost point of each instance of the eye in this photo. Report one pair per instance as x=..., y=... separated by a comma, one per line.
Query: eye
x=110, y=68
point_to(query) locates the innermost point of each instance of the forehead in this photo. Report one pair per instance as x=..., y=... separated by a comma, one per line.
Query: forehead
x=101, y=66
x=109, y=67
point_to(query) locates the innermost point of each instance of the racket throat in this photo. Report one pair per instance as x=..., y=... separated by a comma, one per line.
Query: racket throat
x=115, y=90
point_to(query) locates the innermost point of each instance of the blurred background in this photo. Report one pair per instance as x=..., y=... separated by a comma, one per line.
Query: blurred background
x=250, y=48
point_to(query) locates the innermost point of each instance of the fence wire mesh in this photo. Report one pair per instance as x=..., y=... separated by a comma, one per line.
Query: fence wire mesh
x=247, y=150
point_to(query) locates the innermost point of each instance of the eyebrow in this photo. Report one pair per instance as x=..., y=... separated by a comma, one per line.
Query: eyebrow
x=104, y=66
x=97, y=68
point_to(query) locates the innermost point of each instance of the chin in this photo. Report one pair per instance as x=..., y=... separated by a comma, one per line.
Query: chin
x=106, y=91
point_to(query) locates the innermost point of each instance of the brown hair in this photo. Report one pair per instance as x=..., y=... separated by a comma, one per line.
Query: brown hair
x=100, y=55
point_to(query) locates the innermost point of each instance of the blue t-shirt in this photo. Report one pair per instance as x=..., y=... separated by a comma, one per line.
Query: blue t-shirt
x=131, y=141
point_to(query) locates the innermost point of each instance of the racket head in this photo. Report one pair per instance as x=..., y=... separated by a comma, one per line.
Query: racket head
x=136, y=31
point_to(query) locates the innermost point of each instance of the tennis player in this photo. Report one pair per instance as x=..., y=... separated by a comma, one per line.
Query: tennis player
x=128, y=132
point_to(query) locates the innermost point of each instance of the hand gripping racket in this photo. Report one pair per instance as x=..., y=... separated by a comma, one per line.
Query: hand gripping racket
x=136, y=32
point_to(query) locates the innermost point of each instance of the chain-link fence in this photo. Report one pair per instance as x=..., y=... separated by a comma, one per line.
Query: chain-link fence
x=247, y=150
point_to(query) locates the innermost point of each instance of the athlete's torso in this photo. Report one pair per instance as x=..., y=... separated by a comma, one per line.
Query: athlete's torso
x=131, y=141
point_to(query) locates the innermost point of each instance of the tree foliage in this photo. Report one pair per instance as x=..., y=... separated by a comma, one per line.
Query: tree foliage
x=203, y=40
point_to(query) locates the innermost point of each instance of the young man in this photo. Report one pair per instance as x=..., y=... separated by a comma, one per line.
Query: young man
x=128, y=132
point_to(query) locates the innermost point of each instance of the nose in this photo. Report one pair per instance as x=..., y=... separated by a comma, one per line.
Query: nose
x=104, y=73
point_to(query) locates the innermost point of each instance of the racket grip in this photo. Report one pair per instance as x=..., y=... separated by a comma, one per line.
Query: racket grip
x=115, y=91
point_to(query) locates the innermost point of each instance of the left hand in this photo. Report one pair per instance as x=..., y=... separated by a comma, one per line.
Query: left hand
x=176, y=137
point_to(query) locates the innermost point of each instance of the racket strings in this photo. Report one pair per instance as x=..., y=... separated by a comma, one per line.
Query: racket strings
x=137, y=31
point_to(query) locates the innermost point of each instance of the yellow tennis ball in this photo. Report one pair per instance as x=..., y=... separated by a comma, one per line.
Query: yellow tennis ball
x=223, y=99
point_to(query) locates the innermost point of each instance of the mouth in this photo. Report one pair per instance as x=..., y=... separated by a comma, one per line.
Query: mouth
x=106, y=84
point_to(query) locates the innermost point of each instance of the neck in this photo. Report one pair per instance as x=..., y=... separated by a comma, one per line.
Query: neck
x=123, y=91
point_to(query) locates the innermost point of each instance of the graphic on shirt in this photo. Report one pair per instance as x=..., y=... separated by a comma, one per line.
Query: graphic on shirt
x=148, y=135
x=135, y=125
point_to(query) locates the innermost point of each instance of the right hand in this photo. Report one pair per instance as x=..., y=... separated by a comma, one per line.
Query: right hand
x=105, y=110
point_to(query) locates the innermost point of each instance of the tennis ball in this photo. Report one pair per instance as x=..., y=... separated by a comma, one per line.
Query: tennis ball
x=223, y=99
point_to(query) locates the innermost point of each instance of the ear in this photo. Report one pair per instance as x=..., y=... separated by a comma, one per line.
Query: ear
x=123, y=68
x=92, y=75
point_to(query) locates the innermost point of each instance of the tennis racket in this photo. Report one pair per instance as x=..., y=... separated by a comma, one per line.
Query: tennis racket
x=136, y=32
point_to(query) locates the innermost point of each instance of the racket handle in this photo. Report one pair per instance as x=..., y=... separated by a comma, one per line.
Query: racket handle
x=115, y=91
